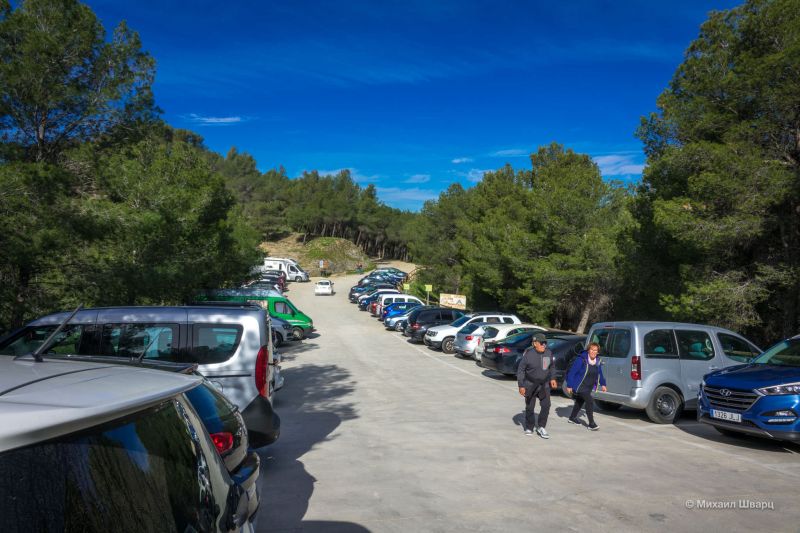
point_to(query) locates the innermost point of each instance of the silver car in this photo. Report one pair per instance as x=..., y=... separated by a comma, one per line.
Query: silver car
x=231, y=345
x=658, y=366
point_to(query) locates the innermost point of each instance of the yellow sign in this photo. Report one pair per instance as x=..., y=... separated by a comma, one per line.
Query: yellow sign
x=428, y=288
x=406, y=286
x=456, y=301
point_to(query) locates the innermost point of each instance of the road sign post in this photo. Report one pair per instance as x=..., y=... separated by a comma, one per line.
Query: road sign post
x=428, y=289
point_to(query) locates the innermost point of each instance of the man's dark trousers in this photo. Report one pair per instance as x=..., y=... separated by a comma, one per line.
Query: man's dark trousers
x=542, y=392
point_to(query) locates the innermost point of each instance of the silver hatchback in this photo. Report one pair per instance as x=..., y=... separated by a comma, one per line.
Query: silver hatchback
x=659, y=366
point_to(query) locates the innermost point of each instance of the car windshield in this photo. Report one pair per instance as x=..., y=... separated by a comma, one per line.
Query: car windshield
x=460, y=321
x=785, y=353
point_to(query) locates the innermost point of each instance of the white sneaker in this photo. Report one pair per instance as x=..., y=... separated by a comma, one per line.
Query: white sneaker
x=528, y=432
x=543, y=433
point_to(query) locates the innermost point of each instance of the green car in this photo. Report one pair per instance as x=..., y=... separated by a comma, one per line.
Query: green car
x=277, y=306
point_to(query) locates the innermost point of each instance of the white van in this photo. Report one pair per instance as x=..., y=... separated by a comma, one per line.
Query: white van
x=292, y=270
x=387, y=299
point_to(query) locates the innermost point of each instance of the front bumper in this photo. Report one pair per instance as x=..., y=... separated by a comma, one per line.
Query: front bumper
x=755, y=420
x=432, y=342
x=262, y=422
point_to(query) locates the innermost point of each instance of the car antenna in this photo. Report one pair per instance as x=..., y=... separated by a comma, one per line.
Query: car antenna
x=37, y=354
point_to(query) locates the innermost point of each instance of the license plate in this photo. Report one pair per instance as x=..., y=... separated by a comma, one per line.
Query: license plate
x=725, y=415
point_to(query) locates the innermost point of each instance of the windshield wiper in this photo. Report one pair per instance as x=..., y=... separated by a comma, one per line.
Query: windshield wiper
x=37, y=354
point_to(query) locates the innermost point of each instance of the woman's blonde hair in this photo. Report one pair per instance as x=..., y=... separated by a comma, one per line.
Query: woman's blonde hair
x=593, y=345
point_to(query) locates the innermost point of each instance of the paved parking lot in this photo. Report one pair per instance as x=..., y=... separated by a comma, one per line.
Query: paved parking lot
x=382, y=435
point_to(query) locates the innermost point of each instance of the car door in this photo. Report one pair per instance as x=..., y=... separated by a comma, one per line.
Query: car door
x=615, y=347
x=698, y=357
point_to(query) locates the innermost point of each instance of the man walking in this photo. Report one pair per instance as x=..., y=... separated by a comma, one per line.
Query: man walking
x=535, y=377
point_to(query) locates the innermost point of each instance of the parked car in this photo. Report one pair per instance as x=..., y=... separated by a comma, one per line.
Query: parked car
x=279, y=306
x=366, y=299
x=356, y=292
x=761, y=397
x=504, y=355
x=278, y=273
x=421, y=319
x=471, y=339
x=291, y=269
x=397, y=308
x=323, y=287
x=398, y=322
x=658, y=366
x=388, y=299
x=281, y=331
x=139, y=460
x=443, y=336
x=230, y=344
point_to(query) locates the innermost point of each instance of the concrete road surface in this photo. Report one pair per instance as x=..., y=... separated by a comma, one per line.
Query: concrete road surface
x=382, y=435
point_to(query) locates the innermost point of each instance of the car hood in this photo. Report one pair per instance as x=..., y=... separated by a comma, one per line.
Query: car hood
x=753, y=376
x=444, y=328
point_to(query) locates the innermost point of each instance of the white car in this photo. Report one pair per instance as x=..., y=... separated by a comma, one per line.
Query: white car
x=323, y=287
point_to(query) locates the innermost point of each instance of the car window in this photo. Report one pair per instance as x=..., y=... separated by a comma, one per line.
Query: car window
x=614, y=342
x=660, y=344
x=87, y=481
x=215, y=343
x=489, y=332
x=282, y=309
x=508, y=320
x=74, y=339
x=695, y=345
x=155, y=341
x=469, y=328
x=736, y=348
x=492, y=319
x=520, y=339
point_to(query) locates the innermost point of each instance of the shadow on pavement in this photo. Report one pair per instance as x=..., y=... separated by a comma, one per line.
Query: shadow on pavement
x=312, y=405
x=497, y=376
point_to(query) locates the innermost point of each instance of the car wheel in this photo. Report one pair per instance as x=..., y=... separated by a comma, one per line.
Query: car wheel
x=398, y=326
x=447, y=345
x=278, y=339
x=665, y=406
x=298, y=279
x=298, y=333
x=607, y=406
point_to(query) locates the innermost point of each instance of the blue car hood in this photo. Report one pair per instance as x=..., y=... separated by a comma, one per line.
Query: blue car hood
x=753, y=376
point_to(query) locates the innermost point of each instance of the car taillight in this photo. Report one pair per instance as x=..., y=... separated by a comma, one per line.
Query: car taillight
x=262, y=371
x=636, y=368
x=223, y=441
x=501, y=349
x=468, y=338
x=414, y=326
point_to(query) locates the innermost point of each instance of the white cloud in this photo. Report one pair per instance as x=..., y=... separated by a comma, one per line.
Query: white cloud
x=355, y=175
x=398, y=195
x=419, y=178
x=618, y=165
x=474, y=174
x=511, y=152
x=215, y=121
x=459, y=160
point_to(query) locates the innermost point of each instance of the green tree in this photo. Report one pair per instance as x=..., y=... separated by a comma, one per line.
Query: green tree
x=62, y=82
x=721, y=190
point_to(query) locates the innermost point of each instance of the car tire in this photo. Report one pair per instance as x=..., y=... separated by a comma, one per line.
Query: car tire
x=398, y=326
x=298, y=279
x=298, y=333
x=607, y=406
x=278, y=339
x=447, y=345
x=665, y=406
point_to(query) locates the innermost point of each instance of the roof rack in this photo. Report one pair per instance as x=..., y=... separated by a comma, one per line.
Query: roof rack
x=223, y=304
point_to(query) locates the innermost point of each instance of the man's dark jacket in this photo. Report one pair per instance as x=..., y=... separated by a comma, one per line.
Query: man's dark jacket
x=535, y=369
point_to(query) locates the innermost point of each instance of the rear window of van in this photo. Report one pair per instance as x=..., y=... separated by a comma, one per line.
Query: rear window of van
x=215, y=343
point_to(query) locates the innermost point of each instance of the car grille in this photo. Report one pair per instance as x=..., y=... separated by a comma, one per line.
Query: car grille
x=738, y=400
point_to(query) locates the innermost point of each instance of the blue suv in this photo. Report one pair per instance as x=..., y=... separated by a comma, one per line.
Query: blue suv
x=760, y=398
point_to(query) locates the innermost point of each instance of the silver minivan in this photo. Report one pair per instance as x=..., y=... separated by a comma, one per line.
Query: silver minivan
x=658, y=366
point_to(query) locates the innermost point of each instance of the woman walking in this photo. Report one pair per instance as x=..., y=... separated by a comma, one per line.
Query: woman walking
x=583, y=377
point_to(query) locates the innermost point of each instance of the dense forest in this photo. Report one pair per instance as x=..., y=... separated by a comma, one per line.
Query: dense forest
x=101, y=202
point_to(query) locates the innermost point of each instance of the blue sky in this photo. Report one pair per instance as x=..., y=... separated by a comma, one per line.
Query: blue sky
x=413, y=95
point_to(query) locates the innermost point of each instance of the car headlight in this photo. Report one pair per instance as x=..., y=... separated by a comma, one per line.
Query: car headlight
x=775, y=390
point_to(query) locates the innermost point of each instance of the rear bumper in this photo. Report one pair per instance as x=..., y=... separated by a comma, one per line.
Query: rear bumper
x=500, y=364
x=262, y=422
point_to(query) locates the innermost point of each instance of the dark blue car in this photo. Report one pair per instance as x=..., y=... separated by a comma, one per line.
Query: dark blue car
x=760, y=398
x=397, y=308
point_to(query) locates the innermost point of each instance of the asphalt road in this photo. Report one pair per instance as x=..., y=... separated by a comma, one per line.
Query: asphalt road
x=382, y=435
